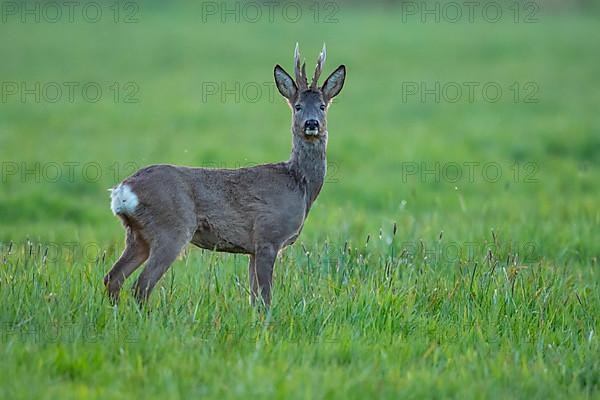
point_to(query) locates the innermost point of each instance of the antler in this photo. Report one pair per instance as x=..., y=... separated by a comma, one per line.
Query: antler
x=318, y=68
x=300, y=70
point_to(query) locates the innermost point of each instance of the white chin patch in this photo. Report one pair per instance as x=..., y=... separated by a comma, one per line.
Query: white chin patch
x=123, y=200
x=311, y=132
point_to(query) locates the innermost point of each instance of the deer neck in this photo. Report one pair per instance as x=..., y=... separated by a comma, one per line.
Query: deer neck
x=309, y=162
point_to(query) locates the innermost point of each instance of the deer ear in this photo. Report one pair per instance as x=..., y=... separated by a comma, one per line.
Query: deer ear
x=334, y=83
x=285, y=83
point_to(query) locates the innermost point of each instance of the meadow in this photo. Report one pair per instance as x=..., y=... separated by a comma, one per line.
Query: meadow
x=453, y=251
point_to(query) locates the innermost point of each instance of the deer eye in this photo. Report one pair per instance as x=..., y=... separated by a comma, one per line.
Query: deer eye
x=298, y=107
x=322, y=107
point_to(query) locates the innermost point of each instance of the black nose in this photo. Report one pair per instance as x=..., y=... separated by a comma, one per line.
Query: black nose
x=311, y=124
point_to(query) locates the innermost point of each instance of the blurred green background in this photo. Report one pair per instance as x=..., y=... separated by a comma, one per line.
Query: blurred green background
x=179, y=85
x=171, y=60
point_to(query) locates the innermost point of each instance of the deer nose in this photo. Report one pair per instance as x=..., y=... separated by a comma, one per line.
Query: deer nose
x=311, y=124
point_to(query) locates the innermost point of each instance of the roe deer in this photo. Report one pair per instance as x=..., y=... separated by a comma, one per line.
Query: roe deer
x=255, y=211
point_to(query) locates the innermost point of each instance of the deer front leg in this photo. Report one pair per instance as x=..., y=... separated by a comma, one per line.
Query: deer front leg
x=261, y=272
x=252, y=277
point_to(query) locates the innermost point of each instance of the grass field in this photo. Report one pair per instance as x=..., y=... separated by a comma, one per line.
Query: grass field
x=408, y=281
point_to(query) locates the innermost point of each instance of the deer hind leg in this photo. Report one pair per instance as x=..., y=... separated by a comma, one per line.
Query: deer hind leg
x=135, y=253
x=261, y=272
x=162, y=254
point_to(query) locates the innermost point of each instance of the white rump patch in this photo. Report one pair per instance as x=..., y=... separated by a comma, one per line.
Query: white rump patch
x=123, y=200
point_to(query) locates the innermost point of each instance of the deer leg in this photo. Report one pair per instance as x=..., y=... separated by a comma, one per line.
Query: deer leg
x=261, y=272
x=161, y=257
x=252, y=277
x=135, y=253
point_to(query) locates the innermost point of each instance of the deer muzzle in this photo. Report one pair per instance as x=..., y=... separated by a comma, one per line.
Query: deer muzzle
x=311, y=127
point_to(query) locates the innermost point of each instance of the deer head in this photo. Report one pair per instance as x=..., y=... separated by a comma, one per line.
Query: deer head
x=309, y=104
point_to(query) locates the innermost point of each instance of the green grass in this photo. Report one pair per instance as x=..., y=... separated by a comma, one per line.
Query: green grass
x=482, y=289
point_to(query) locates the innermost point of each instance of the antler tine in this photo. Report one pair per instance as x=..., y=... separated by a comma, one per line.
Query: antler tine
x=297, y=55
x=319, y=67
x=304, y=80
x=299, y=69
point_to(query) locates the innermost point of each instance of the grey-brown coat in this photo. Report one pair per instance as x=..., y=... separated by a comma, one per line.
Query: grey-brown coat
x=255, y=211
